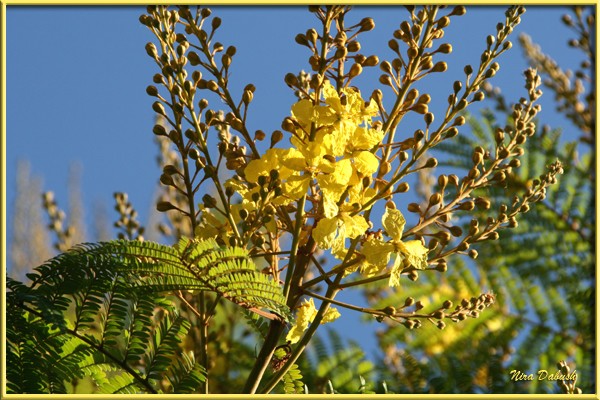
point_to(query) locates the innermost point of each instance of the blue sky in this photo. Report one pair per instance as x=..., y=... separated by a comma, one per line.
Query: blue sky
x=76, y=79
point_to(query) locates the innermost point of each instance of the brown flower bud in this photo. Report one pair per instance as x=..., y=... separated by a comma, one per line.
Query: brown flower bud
x=276, y=136
x=371, y=61
x=434, y=199
x=385, y=80
x=355, y=70
x=402, y=188
x=164, y=206
x=467, y=205
x=431, y=163
x=159, y=130
x=414, y=208
x=367, y=24
x=390, y=310
x=445, y=48
x=428, y=117
x=456, y=231
x=458, y=10
x=440, y=66
x=259, y=135
x=413, y=275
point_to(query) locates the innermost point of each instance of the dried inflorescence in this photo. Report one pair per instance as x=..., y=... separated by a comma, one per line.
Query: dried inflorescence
x=128, y=225
x=58, y=223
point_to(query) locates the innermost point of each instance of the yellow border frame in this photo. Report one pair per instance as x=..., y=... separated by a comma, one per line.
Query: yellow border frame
x=5, y=3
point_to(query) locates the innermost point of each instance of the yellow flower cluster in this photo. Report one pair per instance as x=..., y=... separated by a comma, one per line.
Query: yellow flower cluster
x=332, y=147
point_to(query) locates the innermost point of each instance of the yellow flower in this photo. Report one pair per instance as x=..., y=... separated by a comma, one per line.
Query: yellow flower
x=306, y=314
x=331, y=233
x=378, y=253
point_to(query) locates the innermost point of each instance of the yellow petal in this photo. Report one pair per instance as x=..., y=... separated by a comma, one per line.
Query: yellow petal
x=377, y=252
x=355, y=226
x=365, y=162
x=393, y=222
x=294, y=160
x=306, y=314
x=330, y=207
x=325, y=232
x=415, y=253
x=396, y=271
x=304, y=111
x=263, y=166
x=329, y=91
x=330, y=315
x=365, y=139
x=296, y=186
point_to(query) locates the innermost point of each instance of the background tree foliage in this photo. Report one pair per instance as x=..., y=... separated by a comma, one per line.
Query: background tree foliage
x=541, y=274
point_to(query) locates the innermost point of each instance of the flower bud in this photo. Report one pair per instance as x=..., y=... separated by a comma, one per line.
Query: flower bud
x=367, y=24
x=434, y=199
x=402, y=188
x=440, y=66
x=163, y=206
x=456, y=231
x=259, y=135
x=276, y=136
x=414, y=208
x=355, y=70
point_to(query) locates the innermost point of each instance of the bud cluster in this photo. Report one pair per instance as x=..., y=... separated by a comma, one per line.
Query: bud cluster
x=65, y=234
x=127, y=223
